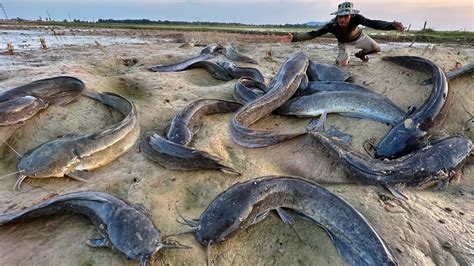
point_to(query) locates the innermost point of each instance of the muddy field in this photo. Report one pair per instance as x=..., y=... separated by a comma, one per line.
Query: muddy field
x=432, y=227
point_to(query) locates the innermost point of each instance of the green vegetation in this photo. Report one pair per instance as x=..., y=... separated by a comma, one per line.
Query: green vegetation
x=427, y=35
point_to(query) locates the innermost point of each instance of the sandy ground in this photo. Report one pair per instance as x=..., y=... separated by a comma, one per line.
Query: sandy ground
x=432, y=227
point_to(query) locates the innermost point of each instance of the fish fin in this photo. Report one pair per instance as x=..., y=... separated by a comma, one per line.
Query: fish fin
x=317, y=124
x=342, y=248
x=144, y=261
x=229, y=170
x=344, y=137
x=98, y=243
x=311, y=219
x=260, y=216
x=427, y=81
x=412, y=109
x=396, y=192
x=285, y=216
x=79, y=176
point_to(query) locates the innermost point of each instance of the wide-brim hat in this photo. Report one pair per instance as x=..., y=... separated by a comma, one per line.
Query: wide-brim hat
x=345, y=8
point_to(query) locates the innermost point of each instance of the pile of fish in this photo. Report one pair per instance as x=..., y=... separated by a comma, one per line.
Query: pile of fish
x=221, y=70
x=302, y=88
x=404, y=155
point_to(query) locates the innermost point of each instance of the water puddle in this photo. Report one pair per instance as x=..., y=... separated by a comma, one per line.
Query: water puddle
x=24, y=40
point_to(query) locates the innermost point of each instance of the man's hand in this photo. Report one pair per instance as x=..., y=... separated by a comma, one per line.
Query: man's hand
x=287, y=38
x=399, y=26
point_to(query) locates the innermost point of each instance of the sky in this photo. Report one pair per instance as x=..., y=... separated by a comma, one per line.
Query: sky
x=441, y=15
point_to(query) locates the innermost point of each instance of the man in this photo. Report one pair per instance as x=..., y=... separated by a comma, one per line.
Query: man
x=345, y=27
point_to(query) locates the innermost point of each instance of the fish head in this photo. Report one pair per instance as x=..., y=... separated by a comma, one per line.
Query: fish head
x=453, y=151
x=47, y=160
x=215, y=231
x=229, y=213
x=145, y=251
x=133, y=233
x=400, y=140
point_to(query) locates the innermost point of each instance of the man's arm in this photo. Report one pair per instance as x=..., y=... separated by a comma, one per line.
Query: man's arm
x=304, y=36
x=380, y=24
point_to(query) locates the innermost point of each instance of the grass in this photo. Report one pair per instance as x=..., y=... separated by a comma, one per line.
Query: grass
x=411, y=36
x=425, y=36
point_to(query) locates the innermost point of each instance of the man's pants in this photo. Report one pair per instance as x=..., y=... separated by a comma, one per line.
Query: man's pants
x=364, y=42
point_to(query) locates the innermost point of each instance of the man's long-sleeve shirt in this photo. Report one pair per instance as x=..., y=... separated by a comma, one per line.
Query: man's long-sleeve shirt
x=344, y=35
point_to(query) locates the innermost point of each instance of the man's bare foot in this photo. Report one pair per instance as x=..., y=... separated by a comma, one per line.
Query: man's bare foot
x=343, y=63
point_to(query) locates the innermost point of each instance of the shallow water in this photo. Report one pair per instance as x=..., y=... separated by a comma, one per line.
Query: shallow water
x=30, y=39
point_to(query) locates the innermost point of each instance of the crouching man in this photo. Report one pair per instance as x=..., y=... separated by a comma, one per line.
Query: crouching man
x=345, y=27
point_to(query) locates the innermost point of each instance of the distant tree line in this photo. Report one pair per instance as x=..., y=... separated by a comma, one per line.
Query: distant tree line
x=198, y=23
x=170, y=22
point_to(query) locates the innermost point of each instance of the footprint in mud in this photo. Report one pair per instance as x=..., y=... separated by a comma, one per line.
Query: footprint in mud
x=131, y=88
x=200, y=77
